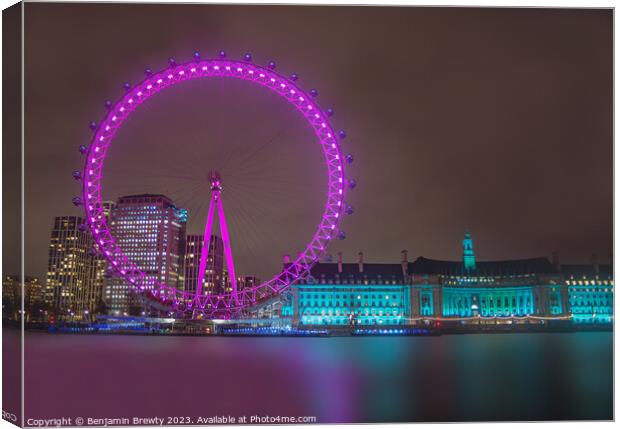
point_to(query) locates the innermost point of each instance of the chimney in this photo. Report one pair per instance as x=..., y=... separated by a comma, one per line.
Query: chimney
x=556, y=260
x=339, y=262
x=404, y=262
x=360, y=262
x=594, y=261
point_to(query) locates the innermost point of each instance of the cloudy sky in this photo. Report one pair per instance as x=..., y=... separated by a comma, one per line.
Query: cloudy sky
x=494, y=120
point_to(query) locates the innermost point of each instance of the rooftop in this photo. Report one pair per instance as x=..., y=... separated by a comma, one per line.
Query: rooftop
x=350, y=272
x=580, y=270
x=141, y=196
x=539, y=265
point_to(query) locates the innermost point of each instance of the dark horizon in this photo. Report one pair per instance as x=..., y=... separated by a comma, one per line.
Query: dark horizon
x=492, y=120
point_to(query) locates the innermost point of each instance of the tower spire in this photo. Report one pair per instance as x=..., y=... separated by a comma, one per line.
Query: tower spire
x=469, y=258
x=215, y=181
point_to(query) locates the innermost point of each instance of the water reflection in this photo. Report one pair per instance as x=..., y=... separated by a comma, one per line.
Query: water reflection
x=391, y=379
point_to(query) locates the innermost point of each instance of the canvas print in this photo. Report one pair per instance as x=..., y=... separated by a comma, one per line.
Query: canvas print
x=306, y=214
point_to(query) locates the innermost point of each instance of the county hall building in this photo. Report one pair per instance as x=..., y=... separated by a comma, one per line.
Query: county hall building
x=338, y=293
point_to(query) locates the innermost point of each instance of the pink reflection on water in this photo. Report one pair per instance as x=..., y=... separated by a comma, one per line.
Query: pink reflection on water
x=345, y=379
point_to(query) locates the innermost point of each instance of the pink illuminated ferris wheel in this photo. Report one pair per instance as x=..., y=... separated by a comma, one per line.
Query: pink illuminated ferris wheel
x=198, y=302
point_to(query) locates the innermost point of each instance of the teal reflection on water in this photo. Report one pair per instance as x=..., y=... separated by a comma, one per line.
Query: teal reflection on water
x=481, y=377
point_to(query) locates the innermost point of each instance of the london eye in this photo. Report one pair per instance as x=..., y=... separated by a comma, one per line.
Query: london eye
x=197, y=301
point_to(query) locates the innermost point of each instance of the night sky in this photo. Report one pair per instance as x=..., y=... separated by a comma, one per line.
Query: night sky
x=494, y=120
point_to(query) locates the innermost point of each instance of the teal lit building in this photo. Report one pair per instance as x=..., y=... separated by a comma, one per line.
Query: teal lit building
x=470, y=288
x=407, y=293
x=528, y=287
x=469, y=257
x=591, y=292
x=354, y=293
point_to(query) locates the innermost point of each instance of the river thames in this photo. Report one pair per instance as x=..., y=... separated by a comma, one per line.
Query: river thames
x=539, y=376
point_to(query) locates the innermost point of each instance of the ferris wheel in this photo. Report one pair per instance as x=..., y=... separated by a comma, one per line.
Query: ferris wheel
x=198, y=302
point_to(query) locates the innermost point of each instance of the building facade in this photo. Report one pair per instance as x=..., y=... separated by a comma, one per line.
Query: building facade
x=150, y=230
x=350, y=294
x=489, y=288
x=74, y=279
x=591, y=292
x=11, y=296
x=214, y=271
x=12, y=289
x=428, y=289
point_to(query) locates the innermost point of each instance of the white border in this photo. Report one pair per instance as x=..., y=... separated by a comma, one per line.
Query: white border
x=479, y=3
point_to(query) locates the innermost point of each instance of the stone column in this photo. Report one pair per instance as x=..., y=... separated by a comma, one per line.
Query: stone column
x=414, y=300
x=295, y=298
x=437, y=300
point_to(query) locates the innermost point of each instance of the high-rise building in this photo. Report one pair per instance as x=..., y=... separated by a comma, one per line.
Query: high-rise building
x=102, y=264
x=214, y=272
x=12, y=289
x=33, y=300
x=11, y=297
x=108, y=207
x=9, y=290
x=247, y=282
x=150, y=230
x=74, y=280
